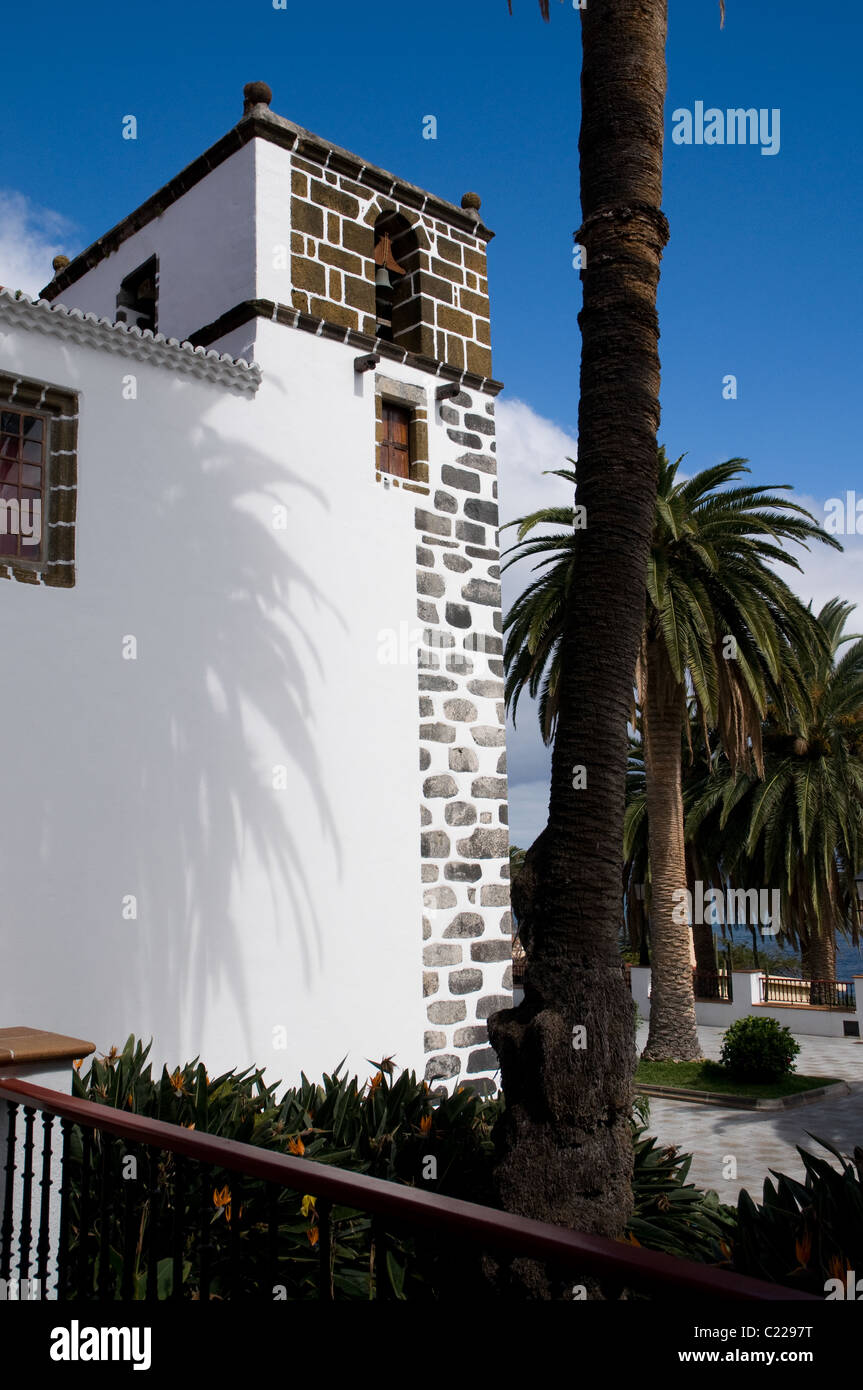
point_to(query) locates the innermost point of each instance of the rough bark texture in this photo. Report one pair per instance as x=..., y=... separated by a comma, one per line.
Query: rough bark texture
x=818, y=956
x=566, y=1154
x=672, y=1035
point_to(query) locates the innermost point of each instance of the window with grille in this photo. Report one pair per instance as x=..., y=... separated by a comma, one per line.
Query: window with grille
x=38, y=481
x=23, y=437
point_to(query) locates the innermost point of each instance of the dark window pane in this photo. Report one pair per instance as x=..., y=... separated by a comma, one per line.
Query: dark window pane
x=9, y=445
x=32, y=427
x=9, y=471
x=10, y=421
x=9, y=490
x=32, y=452
x=8, y=543
x=31, y=476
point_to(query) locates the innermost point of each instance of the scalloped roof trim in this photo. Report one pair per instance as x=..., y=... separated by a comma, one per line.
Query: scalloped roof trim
x=142, y=343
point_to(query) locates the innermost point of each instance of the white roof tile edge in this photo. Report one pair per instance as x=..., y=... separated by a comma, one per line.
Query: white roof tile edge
x=92, y=331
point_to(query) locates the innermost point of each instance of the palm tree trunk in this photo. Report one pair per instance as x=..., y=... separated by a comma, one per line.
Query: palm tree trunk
x=673, y=1034
x=567, y=1052
x=818, y=958
x=705, y=950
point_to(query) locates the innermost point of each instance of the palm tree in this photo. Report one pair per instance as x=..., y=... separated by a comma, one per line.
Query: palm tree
x=723, y=633
x=800, y=827
x=723, y=625
x=566, y=1149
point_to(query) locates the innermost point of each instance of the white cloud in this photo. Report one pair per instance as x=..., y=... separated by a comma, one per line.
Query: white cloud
x=827, y=573
x=528, y=444
x=30, y=238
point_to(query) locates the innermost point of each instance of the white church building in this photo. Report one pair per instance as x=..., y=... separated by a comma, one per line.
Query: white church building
x=254, y=772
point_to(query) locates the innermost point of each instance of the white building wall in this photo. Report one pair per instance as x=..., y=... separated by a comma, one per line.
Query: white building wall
x=205, y=243
x=256, y=647
x=314, y=833
x=273, y=191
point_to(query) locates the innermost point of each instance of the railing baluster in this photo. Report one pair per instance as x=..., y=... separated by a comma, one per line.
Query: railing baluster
x=382, y=1278
x=105, y=1283
x=272, y=1236
x=26, y=1195
x=204, y=1247
x=235, y=1210
x=130, y=1243
x=9, y=1192
x=325, y=1250
x=43, y=1246
x=179, y=1227
x=152, y=1290
x=63, y=1287
x=83, y=1269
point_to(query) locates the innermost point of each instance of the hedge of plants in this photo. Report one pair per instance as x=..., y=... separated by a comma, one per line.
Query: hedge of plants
x=389, y=1128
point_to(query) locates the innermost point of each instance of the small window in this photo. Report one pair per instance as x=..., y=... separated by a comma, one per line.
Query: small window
x=38, y=482
x=395, y=454
x=136, y=302
x=401, y=434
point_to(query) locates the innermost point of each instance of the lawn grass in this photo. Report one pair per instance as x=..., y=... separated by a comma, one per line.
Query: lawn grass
x=710, y=1076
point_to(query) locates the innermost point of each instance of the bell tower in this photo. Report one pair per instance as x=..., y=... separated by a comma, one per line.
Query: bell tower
x=363, y=458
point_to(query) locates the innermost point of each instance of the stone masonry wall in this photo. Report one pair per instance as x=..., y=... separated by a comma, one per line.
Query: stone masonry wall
x=333, y=272
x=467, y=925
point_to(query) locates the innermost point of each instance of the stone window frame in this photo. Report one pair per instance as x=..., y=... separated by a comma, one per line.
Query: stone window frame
x=60, y=407
x=414, y=399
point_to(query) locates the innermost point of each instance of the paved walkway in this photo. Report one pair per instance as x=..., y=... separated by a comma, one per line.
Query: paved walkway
x=761, y=1140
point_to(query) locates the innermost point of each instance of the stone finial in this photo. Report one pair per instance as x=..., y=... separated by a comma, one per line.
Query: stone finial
x=256, y=94
x=59, y=263
x=472, y=202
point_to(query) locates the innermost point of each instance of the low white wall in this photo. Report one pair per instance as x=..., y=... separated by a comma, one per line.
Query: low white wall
x=746, y=989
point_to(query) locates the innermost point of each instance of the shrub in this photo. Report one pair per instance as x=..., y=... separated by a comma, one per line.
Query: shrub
x=758, y=1049
x=804, y=1234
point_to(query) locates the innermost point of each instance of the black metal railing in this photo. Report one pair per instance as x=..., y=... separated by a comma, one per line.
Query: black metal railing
x=831, y=994
x=711, y=984
x=155, y=1211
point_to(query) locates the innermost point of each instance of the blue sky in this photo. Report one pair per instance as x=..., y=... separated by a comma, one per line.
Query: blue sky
x=761, y=277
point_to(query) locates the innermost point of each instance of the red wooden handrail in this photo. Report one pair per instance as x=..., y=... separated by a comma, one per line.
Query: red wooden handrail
x=482, y=1226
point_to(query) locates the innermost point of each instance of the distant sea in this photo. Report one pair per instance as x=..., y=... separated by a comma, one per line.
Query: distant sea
x=849, y=959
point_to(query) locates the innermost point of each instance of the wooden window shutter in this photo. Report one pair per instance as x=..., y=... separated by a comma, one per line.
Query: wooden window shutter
x=395, y=445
